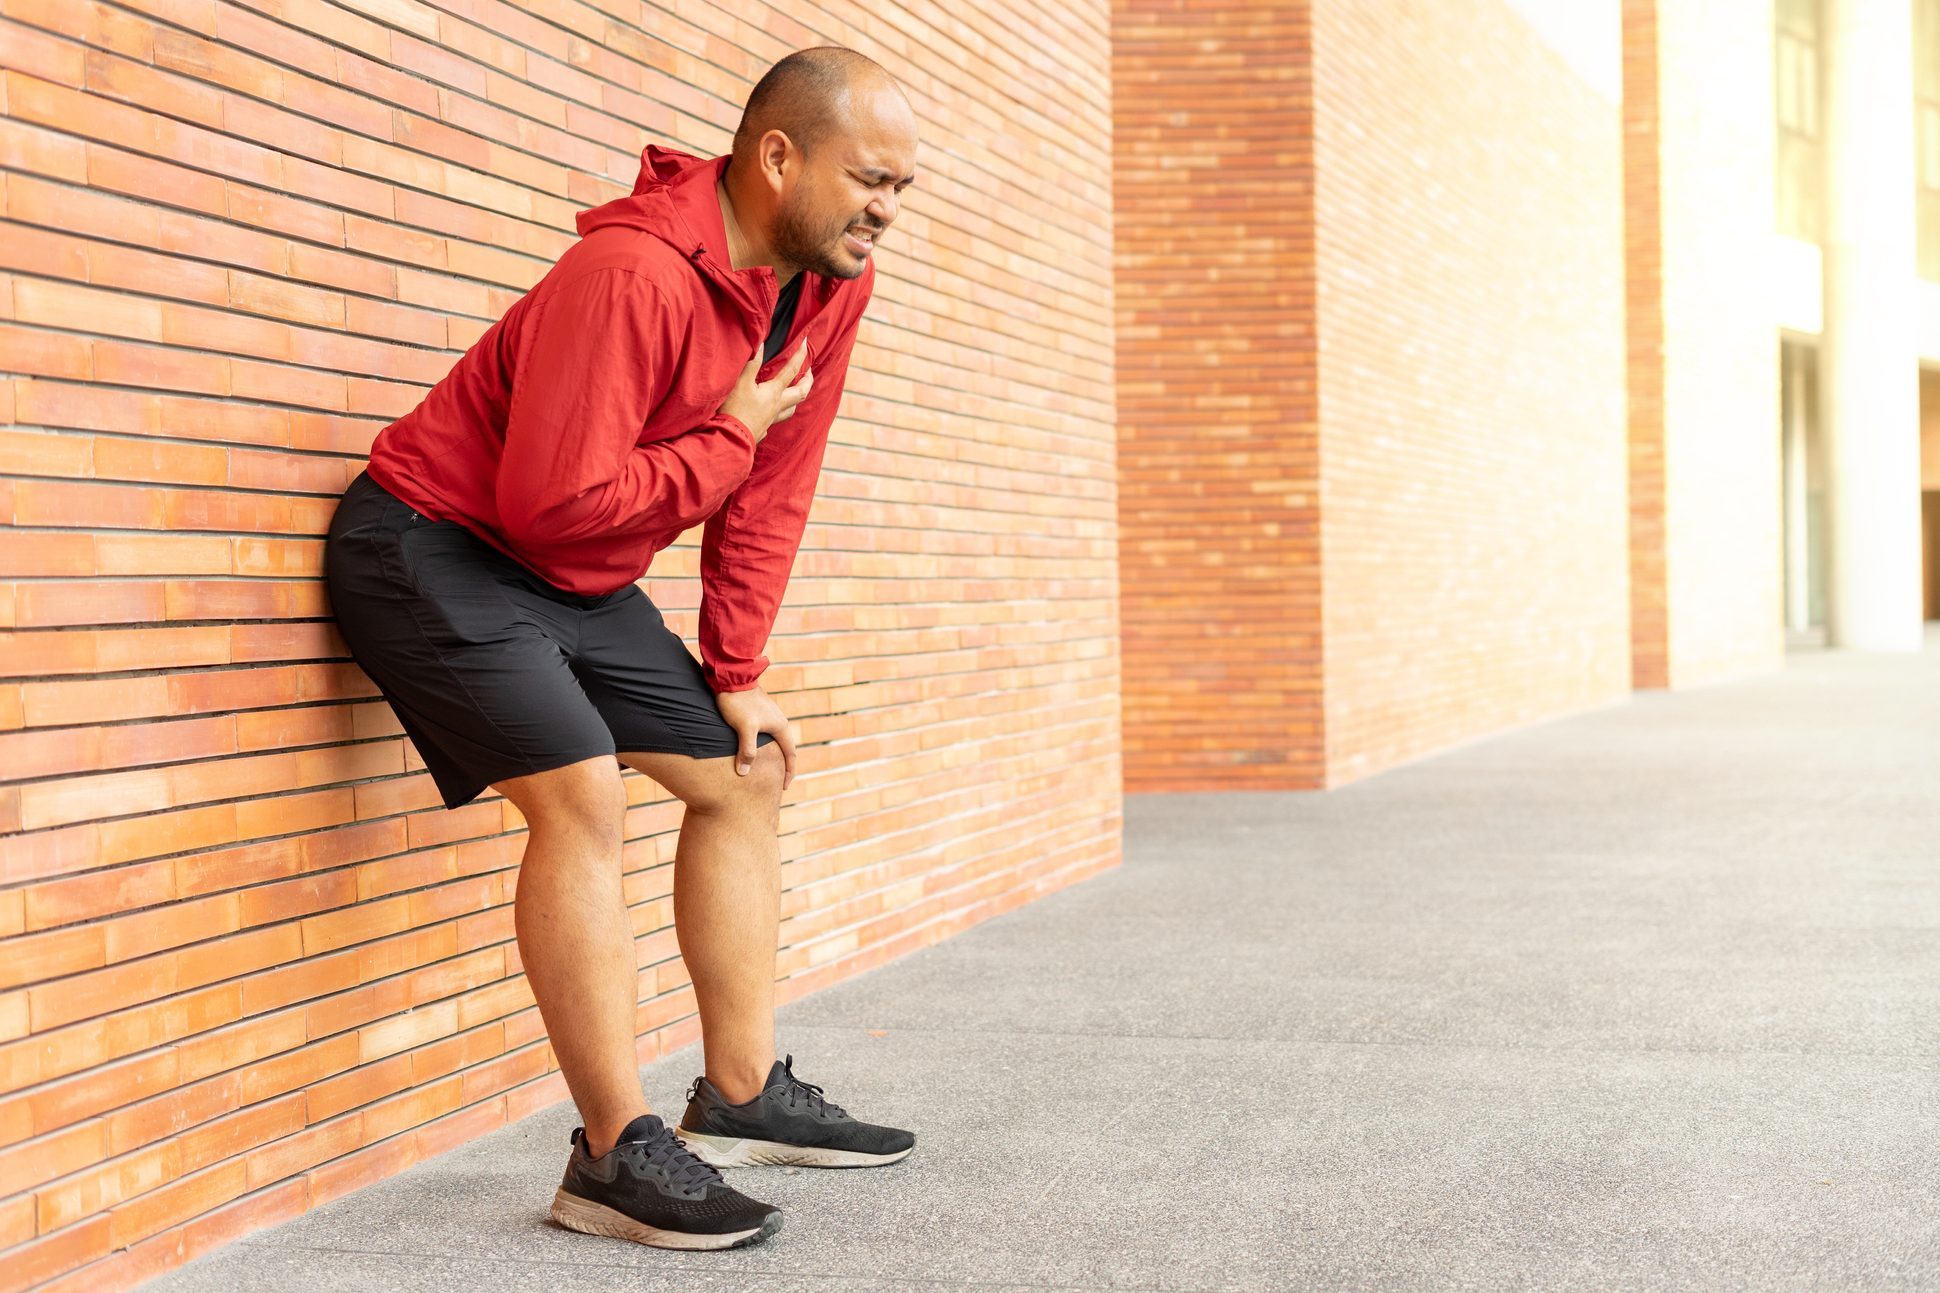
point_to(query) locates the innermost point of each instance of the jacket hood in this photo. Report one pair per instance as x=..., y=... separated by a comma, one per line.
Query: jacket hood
x=663, y=199
x=674, y=200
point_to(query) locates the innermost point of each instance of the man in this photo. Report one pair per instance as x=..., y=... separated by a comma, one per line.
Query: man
x=680, y=364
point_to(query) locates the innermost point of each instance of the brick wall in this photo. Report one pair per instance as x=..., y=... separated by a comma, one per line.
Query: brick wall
x=1471, y=374
x=1704, y=350
x=250, y=963
x=1371, y=383
x=1219, y=555
x=1644, y=340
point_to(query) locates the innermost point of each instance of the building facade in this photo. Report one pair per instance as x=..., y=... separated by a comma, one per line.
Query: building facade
x=1519, y=356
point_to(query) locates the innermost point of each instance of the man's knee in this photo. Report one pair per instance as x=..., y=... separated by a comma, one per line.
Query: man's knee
x=711, y=785
x=757, y=790
x=586, y=800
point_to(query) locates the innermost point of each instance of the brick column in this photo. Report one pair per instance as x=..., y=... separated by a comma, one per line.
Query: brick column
x=1217, y=440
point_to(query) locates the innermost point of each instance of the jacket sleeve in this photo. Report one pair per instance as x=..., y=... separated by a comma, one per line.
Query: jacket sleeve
x=748, y=547
x=573, y=468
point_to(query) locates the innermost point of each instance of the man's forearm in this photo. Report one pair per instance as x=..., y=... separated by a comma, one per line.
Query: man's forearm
x=663, y=484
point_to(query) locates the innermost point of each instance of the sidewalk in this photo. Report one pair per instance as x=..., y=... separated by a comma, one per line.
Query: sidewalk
x=1647, y=998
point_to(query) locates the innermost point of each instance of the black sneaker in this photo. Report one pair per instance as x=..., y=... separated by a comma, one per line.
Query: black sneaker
x=789, y=1124
x=650, y=1190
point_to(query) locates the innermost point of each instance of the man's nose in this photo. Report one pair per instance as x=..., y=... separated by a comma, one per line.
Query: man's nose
x=884, y=209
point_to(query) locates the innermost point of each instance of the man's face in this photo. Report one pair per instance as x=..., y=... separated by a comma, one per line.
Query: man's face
x=849, y=190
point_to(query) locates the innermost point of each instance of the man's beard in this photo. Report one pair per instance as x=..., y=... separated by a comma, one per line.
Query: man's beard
x=814, y=247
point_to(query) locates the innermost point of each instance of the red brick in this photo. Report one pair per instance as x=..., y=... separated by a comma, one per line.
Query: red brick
x=269, y=210
x=256, y=1211
x=303, y=1150
x=142, y=177
x=68, y=1101
x=239, y=954
x=86, y=995
x=98, y=1189
x=101, y=893
x=45, y=956
x=141, y=1217
x=340, y=1176
x=137, y=270
x=51, y=1255
x=132, y=365
x=244, y=1130
x=45, y=252
x=41, y=54
x=165, y=1115
x=38, y=151
x=45, y=354
x=441, y=1134
x=238, y=28
x=16, y=1220
x=51, y=605
x=44, y=1158
x=173, y=926
x=300, y=1068
x=131, y=82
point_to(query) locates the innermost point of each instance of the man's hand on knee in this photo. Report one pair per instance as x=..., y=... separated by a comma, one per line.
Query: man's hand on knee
x=751, y=713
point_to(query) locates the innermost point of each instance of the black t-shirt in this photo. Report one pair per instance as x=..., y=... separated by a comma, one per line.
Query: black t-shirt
x=784, y=316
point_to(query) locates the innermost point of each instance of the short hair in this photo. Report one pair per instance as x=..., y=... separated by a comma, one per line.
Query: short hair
x=805, y=96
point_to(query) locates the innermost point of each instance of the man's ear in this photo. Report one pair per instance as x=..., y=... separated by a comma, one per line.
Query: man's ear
x=779, y=160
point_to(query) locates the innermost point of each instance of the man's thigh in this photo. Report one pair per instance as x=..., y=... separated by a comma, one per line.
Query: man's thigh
x=482, y=690
x=712, y=785
x=647, y=685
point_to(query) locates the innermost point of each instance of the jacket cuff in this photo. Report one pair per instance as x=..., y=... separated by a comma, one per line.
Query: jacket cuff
x=721, y=685
x=738, y=429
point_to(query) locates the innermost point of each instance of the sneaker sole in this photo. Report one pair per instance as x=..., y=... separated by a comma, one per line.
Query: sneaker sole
x=728, y=1151
x=590, y=1218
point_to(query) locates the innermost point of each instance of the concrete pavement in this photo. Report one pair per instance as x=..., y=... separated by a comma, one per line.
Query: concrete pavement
x=1645, y=998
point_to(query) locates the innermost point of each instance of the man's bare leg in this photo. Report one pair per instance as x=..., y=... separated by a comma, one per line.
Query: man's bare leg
x=727, y=905
x=575, y=939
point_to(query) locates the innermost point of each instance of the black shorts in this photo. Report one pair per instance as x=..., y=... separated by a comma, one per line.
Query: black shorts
x=495, y=672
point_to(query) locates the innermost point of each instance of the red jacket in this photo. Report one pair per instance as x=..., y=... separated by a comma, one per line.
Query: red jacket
x=582, y=433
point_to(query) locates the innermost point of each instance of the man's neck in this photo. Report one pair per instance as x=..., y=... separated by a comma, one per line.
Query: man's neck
x=742, y=254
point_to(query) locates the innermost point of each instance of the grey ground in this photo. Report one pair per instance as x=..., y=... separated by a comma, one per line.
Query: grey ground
x=1645, y=998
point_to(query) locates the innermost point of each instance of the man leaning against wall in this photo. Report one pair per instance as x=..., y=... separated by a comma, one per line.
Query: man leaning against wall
x=679, y=365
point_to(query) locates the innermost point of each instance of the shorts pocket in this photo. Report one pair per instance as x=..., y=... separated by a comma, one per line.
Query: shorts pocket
x=456, y=578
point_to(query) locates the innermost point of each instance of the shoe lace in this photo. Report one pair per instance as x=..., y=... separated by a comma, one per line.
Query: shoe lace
x=807, y=1092
x=683, y=1169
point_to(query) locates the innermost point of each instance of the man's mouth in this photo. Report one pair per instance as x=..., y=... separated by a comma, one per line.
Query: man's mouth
x=861, y=240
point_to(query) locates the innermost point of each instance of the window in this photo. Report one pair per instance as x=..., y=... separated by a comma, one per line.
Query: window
x=1799, y=157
